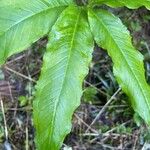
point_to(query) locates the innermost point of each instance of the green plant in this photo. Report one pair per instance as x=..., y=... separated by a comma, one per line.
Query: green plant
x=72, y=27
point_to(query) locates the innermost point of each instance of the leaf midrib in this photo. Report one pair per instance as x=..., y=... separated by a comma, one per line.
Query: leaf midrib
x=125, y=61
x=63, y=82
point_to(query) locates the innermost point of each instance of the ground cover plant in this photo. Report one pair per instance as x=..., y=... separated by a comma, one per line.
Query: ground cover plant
x=72, y=28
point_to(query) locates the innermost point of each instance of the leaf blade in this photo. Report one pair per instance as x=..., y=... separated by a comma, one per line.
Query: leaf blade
x=128, y=63
x=65, y=66
x=24, y=22
x=121, y=3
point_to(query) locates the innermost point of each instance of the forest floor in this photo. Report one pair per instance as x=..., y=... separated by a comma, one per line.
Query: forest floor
x=105, y=119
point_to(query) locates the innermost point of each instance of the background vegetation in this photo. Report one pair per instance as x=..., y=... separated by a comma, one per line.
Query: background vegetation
x=104, y=120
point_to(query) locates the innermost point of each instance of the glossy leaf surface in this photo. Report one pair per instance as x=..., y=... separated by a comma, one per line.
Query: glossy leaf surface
x=59, y=88
x=23, y=22
x=110, y=34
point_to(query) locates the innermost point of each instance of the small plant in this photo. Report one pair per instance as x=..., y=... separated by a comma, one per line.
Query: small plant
x=72, y=27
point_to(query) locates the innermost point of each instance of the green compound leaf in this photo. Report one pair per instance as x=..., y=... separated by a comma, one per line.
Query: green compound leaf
x=23, y=22
x=59, y=88
x=110, y=34
x=120, y=3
